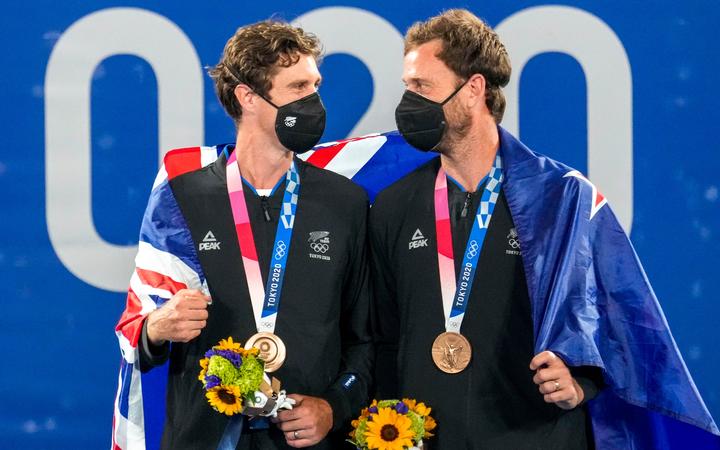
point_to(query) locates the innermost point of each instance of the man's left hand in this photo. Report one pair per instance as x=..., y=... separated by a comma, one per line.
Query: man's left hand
x=555, y=381
x=307, y=423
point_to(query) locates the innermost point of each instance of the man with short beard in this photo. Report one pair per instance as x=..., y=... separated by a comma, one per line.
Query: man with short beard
x=461, y=338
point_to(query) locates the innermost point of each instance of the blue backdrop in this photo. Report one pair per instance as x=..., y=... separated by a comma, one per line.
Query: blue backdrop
x=91, y=95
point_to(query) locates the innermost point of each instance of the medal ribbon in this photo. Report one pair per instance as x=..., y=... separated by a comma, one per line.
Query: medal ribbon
x=265, y=300
x=456, y=295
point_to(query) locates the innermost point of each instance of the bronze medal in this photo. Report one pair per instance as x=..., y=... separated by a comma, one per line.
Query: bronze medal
x=451, y=352
x=272, y=349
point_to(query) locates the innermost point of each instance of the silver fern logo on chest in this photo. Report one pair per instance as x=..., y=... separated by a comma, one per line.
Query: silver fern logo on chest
x=319, y=243
x=513, y=243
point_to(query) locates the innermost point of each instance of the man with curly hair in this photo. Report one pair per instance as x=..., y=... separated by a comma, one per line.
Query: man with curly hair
x=256, y=225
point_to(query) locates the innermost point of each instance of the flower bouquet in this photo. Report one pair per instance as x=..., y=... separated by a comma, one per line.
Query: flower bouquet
x=235, y=382
x=392, y=425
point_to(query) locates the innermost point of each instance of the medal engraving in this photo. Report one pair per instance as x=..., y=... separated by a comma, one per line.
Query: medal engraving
x=451, y=352
x=272, y=349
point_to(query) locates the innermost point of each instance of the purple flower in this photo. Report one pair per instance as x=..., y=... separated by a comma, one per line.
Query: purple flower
x=401, y=407
x=231, y=356
x=373, y=409
x=234, y=358
x=211, y=381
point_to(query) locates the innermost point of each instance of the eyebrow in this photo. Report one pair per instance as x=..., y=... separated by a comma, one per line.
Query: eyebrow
x=302, y=82
x=417, y=80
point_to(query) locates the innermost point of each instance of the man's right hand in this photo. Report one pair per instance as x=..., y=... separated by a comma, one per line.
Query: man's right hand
x=180, y=319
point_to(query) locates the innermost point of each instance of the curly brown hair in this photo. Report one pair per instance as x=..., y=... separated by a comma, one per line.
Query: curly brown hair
x=469, y=46
x=254, y=55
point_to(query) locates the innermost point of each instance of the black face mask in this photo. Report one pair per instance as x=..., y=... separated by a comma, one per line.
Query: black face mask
x=300, y=124
x=422, y=121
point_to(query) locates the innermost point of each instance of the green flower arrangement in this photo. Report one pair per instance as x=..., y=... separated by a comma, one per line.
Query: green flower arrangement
x=231, y=376
x=392, y=425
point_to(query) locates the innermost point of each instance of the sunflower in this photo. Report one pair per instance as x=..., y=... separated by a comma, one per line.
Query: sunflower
x=410, y=403
x=357, y=435
x=389, y=430
x=225, y=399
x=252, y=351
x=203, y=368
x=423, y=410
x=429, y=426
x=364, y=413
x=419, y=408
x=228, y=344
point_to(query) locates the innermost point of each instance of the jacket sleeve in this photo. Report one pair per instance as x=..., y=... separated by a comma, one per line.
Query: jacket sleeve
x=349, y=392
x=151, y=355
x=385, y=313
x=165, y=263
x=590, y=380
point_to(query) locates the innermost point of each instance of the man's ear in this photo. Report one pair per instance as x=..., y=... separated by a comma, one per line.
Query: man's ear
x=245, y=96
x=477, y=85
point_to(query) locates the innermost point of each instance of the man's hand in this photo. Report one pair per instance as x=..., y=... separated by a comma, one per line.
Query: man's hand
x=180, y=319
x=555, y=381
x=307, y=423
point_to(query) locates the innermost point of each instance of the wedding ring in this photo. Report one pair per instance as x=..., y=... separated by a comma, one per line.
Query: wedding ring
x=557, y=386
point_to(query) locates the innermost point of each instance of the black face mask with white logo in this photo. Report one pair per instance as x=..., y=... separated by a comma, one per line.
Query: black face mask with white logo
x=421, y=121
x=300, y=124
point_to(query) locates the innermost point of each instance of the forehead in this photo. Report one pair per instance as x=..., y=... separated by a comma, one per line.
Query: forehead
x=422, y=62
x=305, y=68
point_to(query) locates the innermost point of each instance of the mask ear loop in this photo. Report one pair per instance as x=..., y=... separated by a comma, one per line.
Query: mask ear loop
x=455, y=92
x=239, y=80
x=267, y=100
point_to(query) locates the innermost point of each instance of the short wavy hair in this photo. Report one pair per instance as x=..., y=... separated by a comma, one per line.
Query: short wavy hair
x=253, y=56
x=469, y=46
